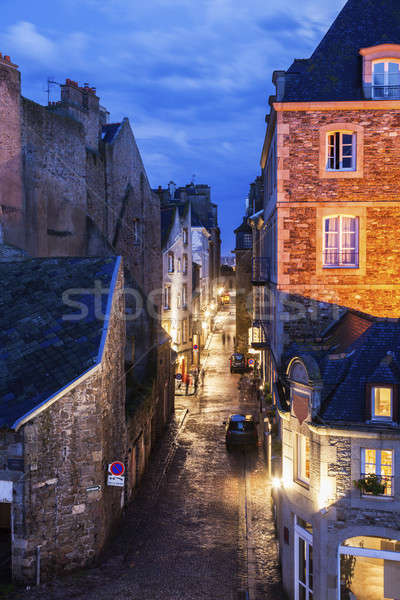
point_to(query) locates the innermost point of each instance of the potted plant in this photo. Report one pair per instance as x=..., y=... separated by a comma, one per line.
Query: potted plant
x=370, y=484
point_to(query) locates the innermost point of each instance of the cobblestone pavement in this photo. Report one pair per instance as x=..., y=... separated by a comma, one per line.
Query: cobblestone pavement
x=200, y=526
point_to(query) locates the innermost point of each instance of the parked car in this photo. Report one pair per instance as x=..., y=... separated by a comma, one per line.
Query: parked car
x=237, y=363
x=241, y=430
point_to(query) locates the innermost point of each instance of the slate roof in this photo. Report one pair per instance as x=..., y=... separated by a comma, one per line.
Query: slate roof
x=40, y=351
x=334, y=71
x=244, y=227
x=372, y=356
x=196, y=221
x=109, y=132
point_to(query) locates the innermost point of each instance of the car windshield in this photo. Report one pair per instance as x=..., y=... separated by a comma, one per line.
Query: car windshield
x=241, y=425
x=237, y=357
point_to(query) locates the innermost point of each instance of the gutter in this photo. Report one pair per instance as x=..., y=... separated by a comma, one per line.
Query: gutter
x=70, y=386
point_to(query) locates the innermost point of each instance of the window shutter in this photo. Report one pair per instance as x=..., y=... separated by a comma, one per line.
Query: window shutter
x=368, y=402
x=396, y=403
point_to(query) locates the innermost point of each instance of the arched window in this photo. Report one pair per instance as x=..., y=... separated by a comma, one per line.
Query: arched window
x=386, y=79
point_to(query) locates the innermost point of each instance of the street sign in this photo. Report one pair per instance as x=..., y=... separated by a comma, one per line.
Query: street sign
x=116, y=480
x=116, y=468
x=195, y=347
x=178, y=376
x=94, y=488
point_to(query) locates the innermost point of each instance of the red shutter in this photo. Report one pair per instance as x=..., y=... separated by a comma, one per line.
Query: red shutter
x=396, y=410
x=368, y=402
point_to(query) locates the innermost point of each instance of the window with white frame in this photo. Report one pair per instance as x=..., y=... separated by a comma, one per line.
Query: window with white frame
x=304, y=571
x=386, y=79
x=382, y=403
x=302, y=458
x=340, y=241
x=167, y=297
x=185, y=235
x=341, y=151
x=379, y=463
x=179, y=265
x=171, y=262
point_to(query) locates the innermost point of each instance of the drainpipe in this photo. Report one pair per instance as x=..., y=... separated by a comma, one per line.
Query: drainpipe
x=38, y=565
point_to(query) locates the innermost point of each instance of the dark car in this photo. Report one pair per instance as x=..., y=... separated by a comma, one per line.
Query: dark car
x=237, y=363
x=241, y=430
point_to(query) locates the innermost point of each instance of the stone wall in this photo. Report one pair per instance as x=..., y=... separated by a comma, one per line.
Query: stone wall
x=67, y=449
x=11, y=194
x=306, y=195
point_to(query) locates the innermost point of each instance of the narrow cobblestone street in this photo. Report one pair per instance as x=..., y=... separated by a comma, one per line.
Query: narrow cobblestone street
x=201, y=524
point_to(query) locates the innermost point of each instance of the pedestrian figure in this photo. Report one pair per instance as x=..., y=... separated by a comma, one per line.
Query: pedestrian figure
x=202, y=377
x=234, y=341
x=223, y=339
x=196, y=381
x=187, y=384
x=228, y=337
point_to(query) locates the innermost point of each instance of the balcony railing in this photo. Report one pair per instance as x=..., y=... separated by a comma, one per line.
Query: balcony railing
x=259, y=337
x=261, y=270
x=340, y=258
x=386, y=91
x=374, y=482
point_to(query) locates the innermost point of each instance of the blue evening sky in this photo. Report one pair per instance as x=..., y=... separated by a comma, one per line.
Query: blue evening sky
x=192, y=76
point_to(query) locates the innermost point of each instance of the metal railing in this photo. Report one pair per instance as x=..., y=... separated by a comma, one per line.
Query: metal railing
x=260, y=334
x=340, y=258
x=260, y=270
x=386, y=481
x=386, y=91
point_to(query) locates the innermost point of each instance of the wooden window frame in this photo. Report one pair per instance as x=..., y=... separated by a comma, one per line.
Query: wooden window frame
x=339, y=249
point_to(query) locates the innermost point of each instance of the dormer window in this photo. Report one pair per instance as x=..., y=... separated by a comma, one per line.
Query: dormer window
x=382, y=403
x=386, y=79
x=171, y=262
x=381, y=72
x=341, y=151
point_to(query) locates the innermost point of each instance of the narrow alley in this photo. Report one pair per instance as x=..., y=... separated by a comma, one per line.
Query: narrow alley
x=201, y=525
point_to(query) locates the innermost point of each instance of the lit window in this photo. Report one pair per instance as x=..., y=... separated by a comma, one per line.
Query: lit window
x=185, y=264
x=171, y=265
x=340, y=241
x=178, y=300
x=184, y=295
x=379, y=463
x=179, y=265
x=303, y=458
x=185, y=235
x=386, y=79
x=382, y=404
x=167, y=297
x=341, y=151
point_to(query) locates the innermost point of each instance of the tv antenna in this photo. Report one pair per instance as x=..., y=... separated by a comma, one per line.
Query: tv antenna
x=51, y=82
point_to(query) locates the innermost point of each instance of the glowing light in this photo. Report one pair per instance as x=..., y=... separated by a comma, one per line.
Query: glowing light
x=276, y=483
x=207, y=313
x=221, y=291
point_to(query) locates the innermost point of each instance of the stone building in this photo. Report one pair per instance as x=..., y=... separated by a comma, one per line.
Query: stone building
x=243, y=258
x=326, y=246
x=62, y=411
x=338, y=506
x=177, y=282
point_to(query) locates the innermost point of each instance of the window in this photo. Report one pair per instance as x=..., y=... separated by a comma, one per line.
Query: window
x=167, y=297
x=179, y=265
x=136, y=232
x=184, y=331
x=178, y=300
x=386, y=79
x=380, y=463
x=185, y=264
x=382, y=403
x=341, y=151
x=184, y=295
x=185, y=235
x=340, y=241
x=304, y=571
x=303, y=459
x=171, y=264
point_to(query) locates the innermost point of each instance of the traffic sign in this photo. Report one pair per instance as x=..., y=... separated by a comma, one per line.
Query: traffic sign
x=178, y=376
x=116, y=480
x=116, y=468
x=195, y=347
x=251, y=362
